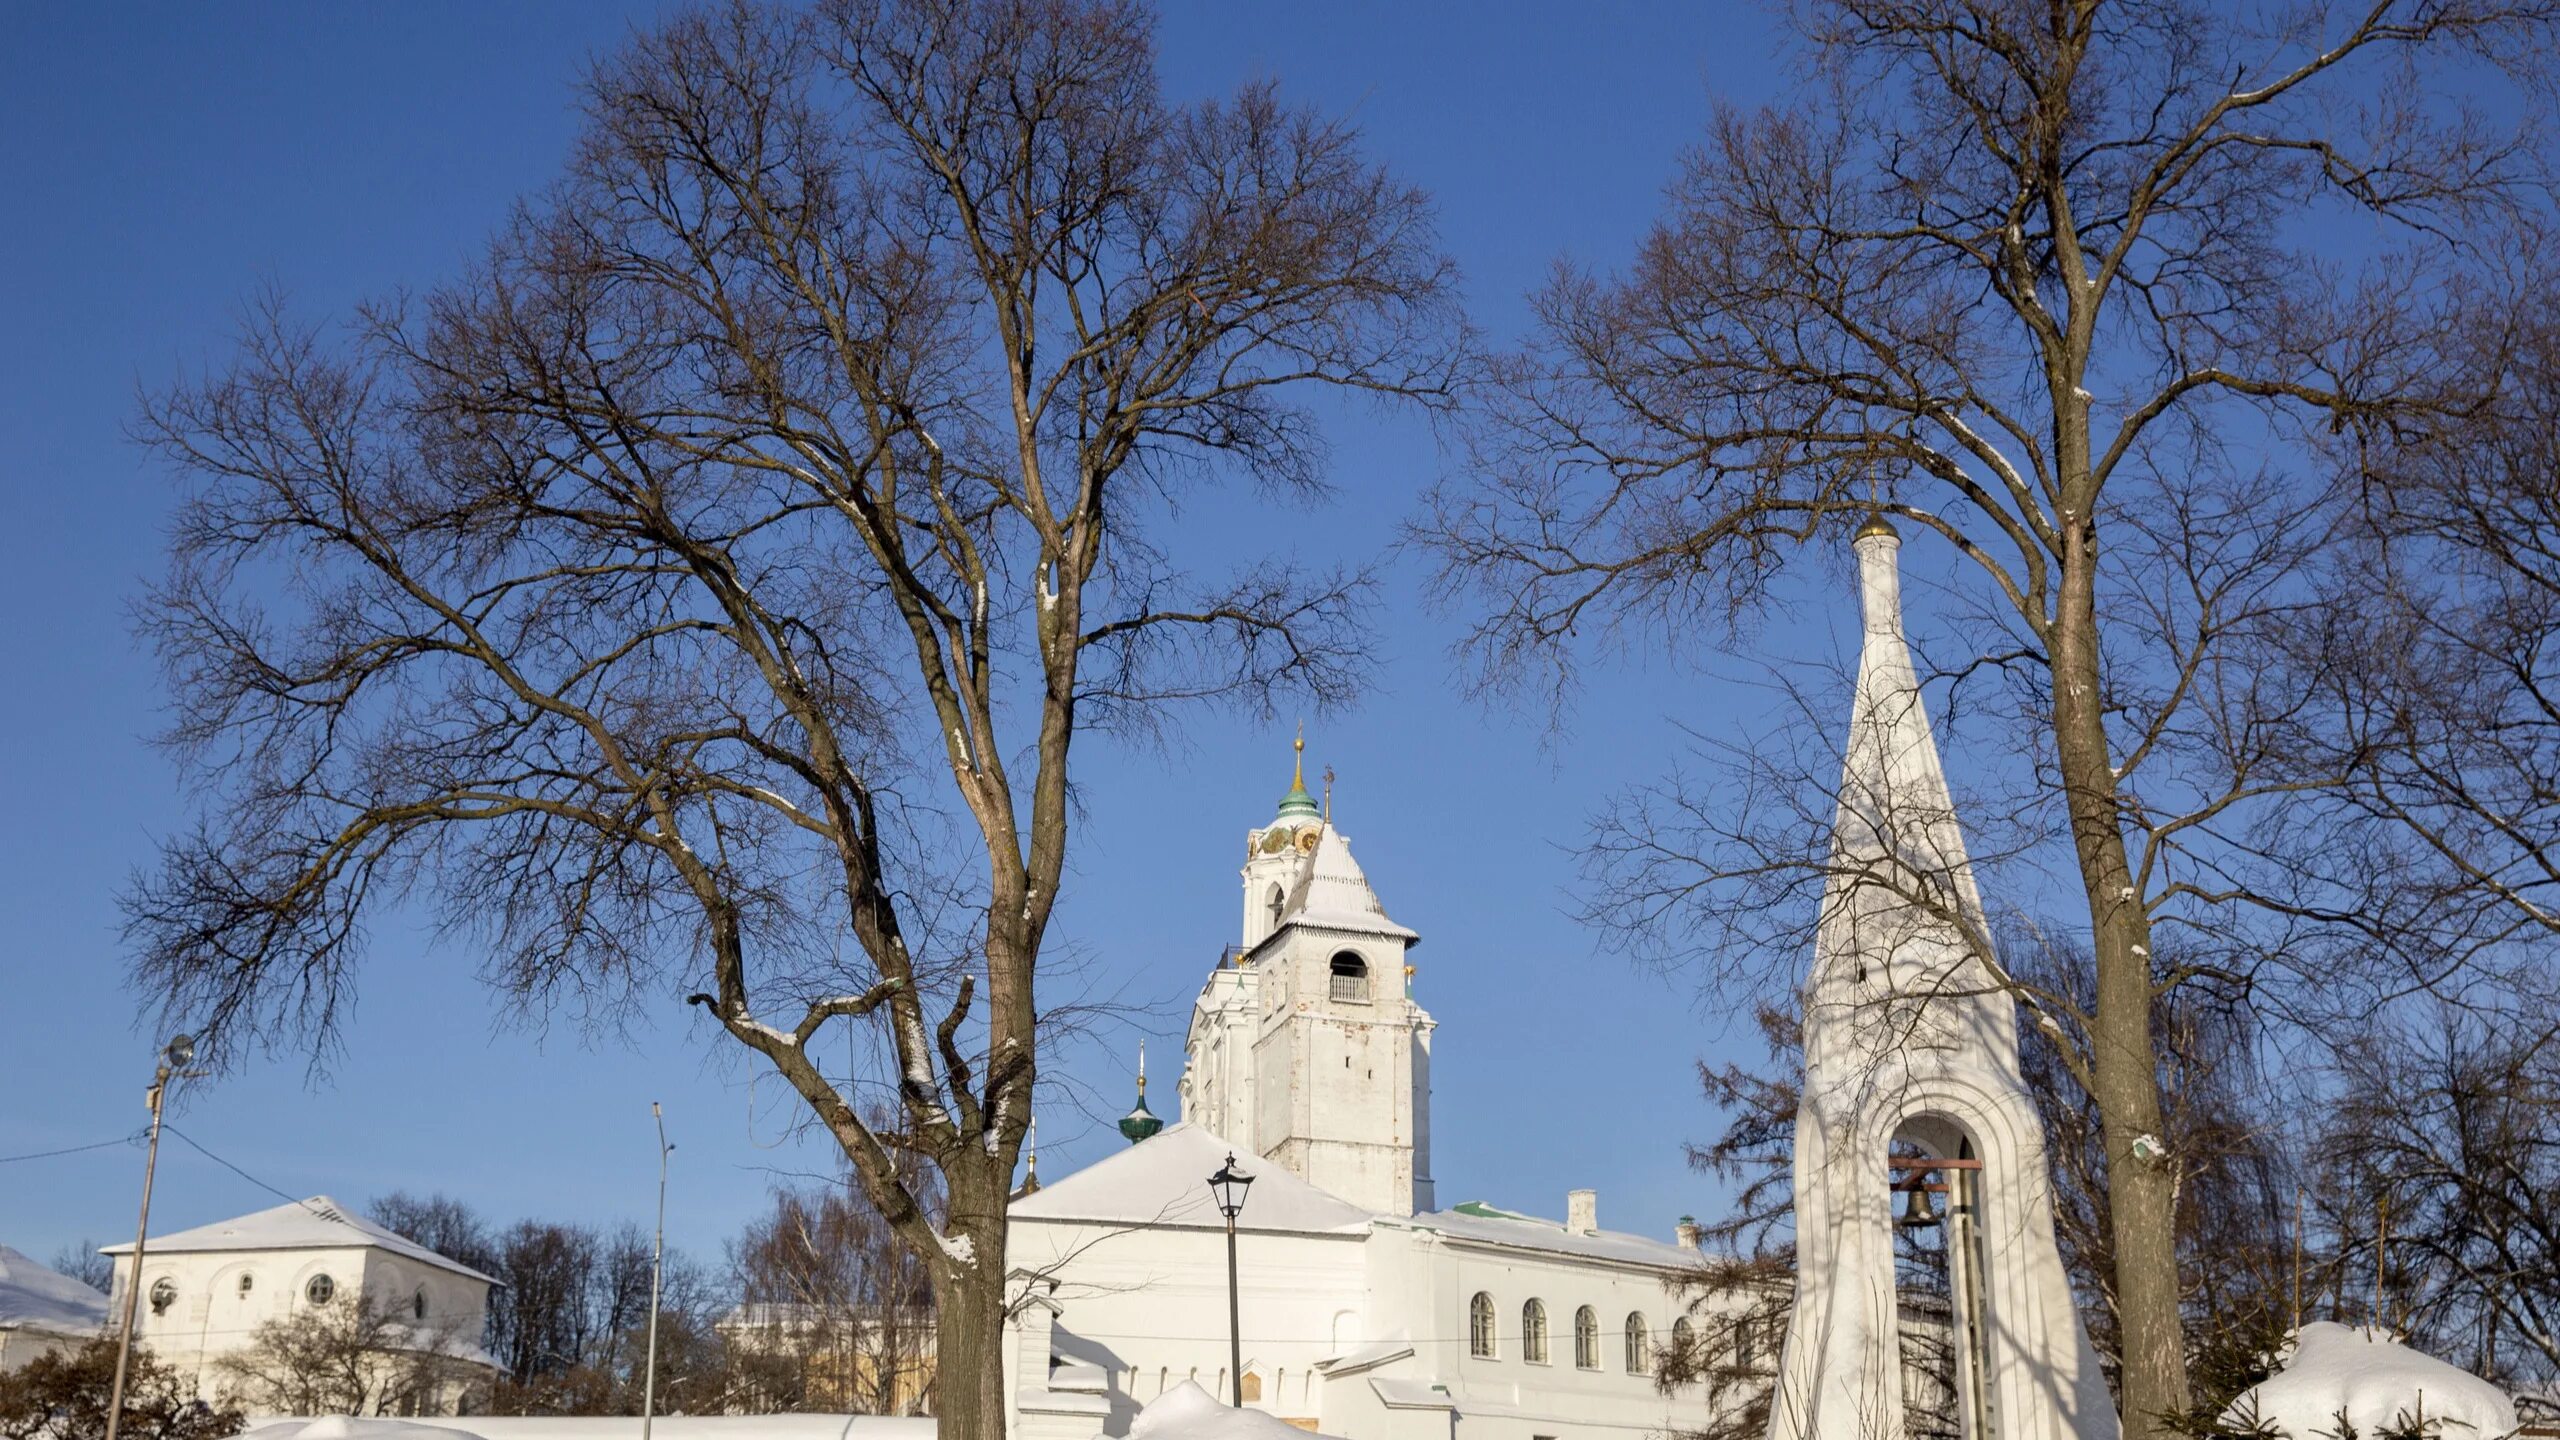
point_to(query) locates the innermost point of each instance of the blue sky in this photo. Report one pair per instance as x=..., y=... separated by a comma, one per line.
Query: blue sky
x=167, y=160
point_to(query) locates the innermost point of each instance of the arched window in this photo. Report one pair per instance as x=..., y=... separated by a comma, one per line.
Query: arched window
x=1350, y=977
x=1275, y=901
x=247, y=1283
x=1533, y=1332
x=164, y=1293
x=1480, y=1326
x=1746, y=1348
x=418, y=1304
x=1586, y=1338
x=1639, y=1346
x=321, y=1290
x=1683, y=1335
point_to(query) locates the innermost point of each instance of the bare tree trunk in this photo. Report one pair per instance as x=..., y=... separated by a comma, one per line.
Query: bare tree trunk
x=2122, y=1061
x=969, y=1396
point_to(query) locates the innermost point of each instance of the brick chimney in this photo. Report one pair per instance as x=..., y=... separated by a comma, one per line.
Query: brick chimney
x=1582, y=1211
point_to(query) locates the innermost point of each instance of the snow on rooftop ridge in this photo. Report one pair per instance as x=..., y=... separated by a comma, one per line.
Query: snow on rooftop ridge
x=1165, y=1181
x=36, y=1297
x=2378, y=1383
x=318, y=1223
x=1187, y=1412
x=1488, y=1224
x=1333, y=892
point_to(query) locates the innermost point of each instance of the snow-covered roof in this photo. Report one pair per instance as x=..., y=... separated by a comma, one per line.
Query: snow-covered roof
x=1401, y=1394
x=2380, y=1383
x=1484, y=1224
x=1395, y=1346
x=33, y=1297
x=1164, y=1181
x=1333, y=893
x=1187, y=1412
x=318, y=1223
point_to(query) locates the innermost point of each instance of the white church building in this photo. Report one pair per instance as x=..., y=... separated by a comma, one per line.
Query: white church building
x=207, y=1290
x=1367, y=1312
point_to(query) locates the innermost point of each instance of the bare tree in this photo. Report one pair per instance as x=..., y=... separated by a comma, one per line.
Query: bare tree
x=709, y=586
x=824, y=1288
x=85, y=1262
x=568, y=1320
x=448, y=1226
x=357, y=1355
x=2057, y=285
x=2440, y=1195
x=2451, y=621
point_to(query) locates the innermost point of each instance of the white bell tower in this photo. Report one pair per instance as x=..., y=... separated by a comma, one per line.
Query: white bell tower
x=1342, y=1054
x=1912, y=1087
x=1306, y=1047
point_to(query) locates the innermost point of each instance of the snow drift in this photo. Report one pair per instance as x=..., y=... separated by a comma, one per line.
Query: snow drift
x=2377, y=1382
x=1187, y=1412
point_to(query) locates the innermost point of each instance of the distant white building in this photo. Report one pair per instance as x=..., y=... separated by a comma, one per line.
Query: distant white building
x=1366, y=1311
x=43, y=1310
x=206, y=1291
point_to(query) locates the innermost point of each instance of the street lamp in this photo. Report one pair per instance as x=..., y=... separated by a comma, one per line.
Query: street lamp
x=1229, y=1188
x=173, y=1061
x=657, y=1267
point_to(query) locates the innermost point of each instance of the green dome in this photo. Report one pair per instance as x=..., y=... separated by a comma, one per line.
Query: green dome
x=1298, y=804
x=1140, y=1123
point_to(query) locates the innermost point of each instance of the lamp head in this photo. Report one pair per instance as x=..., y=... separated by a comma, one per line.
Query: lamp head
x=1229, y=1188
x=181, y=1052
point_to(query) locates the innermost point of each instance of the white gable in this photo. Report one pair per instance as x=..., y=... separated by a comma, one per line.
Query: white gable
x=318, y=1223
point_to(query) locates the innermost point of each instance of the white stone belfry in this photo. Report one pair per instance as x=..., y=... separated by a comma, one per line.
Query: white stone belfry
x=1306, y=1046
x=1911, y=1077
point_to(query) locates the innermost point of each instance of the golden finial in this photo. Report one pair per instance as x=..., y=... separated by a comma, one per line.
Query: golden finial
x=1298, y=776
x=1142, y=1070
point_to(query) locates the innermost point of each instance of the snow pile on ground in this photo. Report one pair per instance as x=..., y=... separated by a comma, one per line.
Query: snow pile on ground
x=1186, y=1412
x=348, y=1427
x=2378, y=1382
x=668, y=1427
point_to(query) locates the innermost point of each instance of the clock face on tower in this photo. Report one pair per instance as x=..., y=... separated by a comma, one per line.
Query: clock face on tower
x=1307, y=841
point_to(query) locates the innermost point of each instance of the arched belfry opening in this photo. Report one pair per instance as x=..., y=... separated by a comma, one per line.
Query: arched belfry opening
x=1941, y=1286
x=1350, y=976
x=1274, y=903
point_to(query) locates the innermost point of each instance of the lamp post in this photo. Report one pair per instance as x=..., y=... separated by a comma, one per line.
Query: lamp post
x=657, y=1267
x=1229, y=1187
x=173, y=1062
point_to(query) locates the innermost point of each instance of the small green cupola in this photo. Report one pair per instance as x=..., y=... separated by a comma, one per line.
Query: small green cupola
x=1298, y=804
x=1140, y=1123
